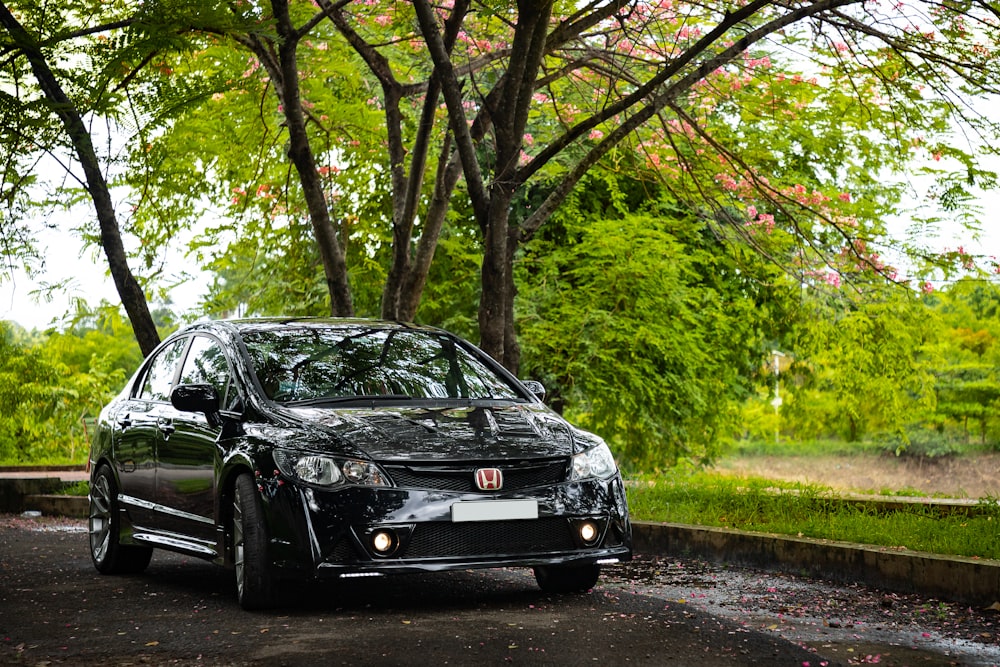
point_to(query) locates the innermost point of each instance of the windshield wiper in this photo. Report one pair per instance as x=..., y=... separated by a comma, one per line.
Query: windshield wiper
x=363, y=398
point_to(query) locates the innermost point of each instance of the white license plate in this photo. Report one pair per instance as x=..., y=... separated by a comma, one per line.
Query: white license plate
x=494, y=510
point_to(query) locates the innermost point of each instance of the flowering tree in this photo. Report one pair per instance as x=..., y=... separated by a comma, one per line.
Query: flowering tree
x=586, y=78
x=778, y=121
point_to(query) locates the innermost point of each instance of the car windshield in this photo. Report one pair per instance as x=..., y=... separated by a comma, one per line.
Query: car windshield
x=314, y=364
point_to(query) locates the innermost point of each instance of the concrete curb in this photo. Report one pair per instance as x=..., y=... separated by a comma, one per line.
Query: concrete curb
x=954, y=578
x=76, y=507
x=14, y=493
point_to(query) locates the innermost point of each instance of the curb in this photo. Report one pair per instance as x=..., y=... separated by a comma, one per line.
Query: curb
x=77, y=507
x=958, y=579
x=14, y=493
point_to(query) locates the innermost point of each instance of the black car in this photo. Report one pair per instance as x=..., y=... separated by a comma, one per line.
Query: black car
x=311, y=448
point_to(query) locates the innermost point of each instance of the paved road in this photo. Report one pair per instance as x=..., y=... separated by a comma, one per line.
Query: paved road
x=55, y=609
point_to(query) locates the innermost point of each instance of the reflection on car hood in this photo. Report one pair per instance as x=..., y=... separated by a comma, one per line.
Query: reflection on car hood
x=448, y=433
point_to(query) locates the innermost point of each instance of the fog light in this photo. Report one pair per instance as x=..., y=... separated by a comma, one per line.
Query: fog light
x=383, y=542
x=588, y=532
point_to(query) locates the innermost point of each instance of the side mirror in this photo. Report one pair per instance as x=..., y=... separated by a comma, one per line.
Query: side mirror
x=535, y=387
x=197, y=398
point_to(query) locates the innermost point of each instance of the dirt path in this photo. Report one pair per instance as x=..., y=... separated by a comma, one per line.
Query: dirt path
x=959, y=477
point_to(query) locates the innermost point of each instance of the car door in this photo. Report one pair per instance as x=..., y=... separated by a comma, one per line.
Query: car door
x=138, y=424
x=188, y=453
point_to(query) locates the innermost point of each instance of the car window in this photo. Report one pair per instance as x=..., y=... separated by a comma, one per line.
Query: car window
x=313, y=363
x=206, y=364
x=160, y=374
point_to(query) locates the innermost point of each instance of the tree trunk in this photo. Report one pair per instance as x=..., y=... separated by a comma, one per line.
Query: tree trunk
x=511, y=348
x=493, y=302
x=402, y=215
x=301, y=155
x=131, y=293
x=412, y=289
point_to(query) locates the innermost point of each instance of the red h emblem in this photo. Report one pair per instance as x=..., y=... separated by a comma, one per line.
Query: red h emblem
x=489, y=479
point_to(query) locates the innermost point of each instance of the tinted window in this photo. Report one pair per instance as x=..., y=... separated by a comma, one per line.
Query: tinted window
x=160, y=374
x=311, y=363
x=206, y=364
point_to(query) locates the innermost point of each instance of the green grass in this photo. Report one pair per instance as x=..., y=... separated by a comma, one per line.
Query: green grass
x=76, y=489
x=804, y=510
x=786, y=447
x=920, y=446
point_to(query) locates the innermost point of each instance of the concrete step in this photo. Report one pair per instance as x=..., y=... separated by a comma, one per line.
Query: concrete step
x=57, y=505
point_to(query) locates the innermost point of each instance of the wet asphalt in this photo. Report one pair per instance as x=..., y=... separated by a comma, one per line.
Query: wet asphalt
x=56, y=609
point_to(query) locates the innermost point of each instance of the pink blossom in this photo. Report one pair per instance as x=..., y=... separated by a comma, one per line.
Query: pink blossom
x=727, y=181
x=596, y=135
x=927, y=288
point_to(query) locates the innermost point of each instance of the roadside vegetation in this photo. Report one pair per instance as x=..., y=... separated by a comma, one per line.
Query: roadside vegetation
x=803, y=510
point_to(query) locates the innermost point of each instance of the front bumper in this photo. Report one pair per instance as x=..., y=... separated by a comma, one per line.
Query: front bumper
x=324, y=533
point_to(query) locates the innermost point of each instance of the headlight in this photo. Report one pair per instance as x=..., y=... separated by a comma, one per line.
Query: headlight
x=595, y=462
x=322, y=470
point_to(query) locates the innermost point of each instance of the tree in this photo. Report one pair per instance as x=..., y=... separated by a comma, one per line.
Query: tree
x=23, y=50
x=642, y=323
x=650, y=62
x=51, y=383
x=965, y=357
x=605, y=72
x=859, y=365
x=536, y=94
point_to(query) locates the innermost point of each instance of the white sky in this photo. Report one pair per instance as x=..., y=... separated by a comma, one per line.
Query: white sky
x=87, y=273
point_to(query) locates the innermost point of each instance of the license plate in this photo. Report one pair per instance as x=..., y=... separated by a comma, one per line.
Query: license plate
x=494, y=510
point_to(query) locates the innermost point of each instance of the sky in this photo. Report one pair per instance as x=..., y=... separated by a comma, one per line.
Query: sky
x=87, y=276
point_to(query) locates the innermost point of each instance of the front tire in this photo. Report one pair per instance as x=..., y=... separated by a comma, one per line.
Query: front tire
x=110, y=556
x=567, y=578
x=254, y=581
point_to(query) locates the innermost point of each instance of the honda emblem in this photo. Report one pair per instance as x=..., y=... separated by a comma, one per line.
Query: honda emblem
x=489, y=479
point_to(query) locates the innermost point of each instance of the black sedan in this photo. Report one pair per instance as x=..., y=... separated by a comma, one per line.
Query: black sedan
x=308, y=448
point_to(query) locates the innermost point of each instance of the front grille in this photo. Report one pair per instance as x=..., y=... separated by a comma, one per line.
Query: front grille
x=462, y=478
x=489, y=538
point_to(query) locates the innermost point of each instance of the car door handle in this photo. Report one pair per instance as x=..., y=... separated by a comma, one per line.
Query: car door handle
x=166, y=426
x=125, y=421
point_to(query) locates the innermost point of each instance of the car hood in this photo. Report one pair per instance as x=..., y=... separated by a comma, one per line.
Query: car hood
x=447, y=433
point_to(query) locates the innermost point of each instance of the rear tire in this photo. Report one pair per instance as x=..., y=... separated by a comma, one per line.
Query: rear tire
x=254, y=581
x=110, y=556
x=567, y=578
